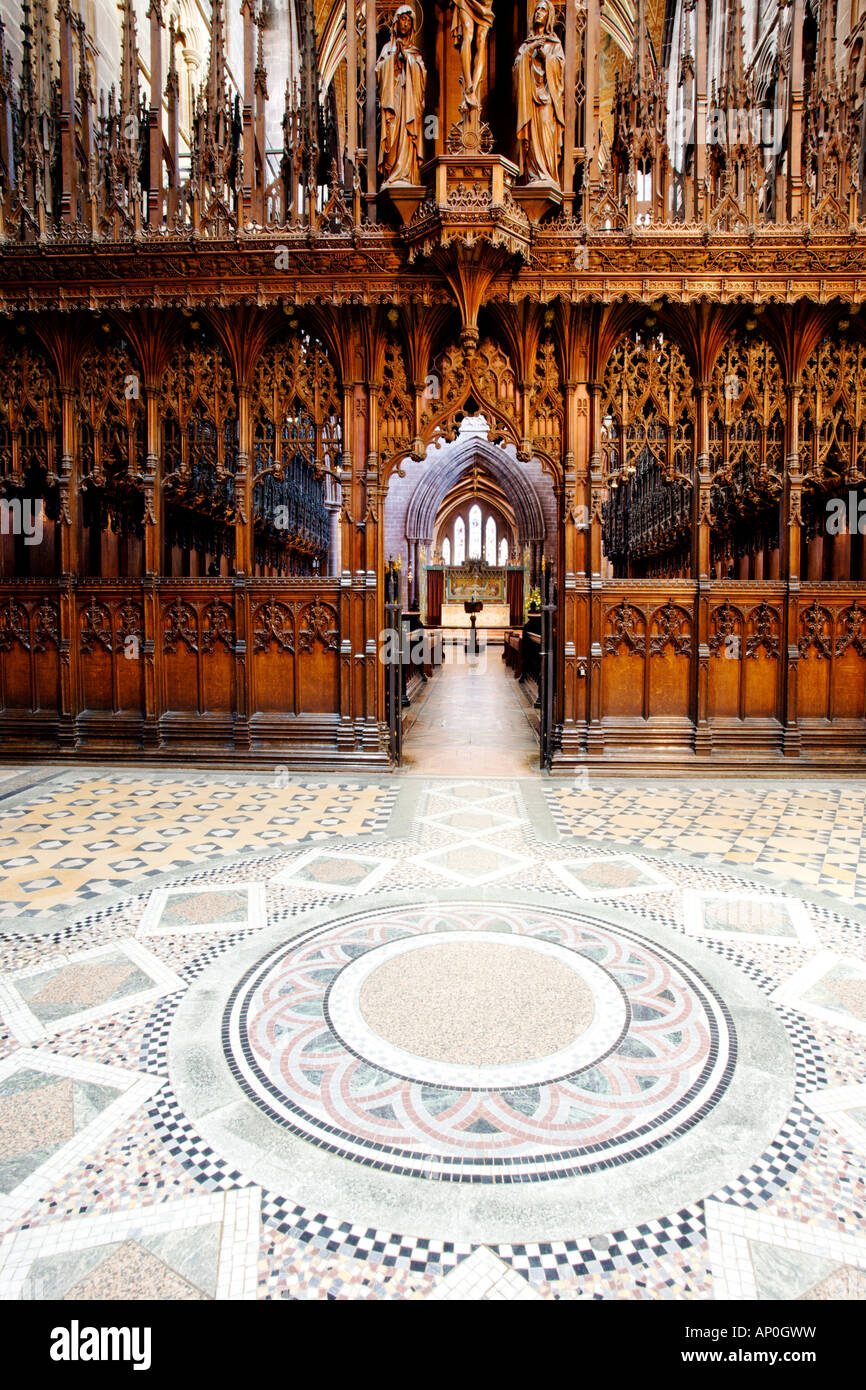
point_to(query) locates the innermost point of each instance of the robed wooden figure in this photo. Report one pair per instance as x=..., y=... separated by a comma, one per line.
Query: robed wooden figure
x=401, y=78
x=539, y=75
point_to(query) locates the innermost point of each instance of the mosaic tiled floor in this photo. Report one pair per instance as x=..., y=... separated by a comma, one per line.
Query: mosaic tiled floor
x=437, y=1038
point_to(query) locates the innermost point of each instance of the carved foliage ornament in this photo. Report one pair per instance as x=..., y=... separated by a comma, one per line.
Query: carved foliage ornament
x=854, y=631
x=181, y=625
x=672, y=628
x=765, y=631
x=816, y=624
x=625, y=621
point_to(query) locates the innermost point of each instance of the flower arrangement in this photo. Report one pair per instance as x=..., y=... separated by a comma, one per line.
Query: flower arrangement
x=533, y=600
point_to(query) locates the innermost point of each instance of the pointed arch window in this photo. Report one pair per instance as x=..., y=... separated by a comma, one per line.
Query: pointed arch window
x=503, y=552
x=446, y=551
x=490, y=541
x=475, y=532
x=459, y=541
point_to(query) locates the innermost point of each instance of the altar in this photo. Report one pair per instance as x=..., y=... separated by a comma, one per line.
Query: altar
x=498, y=589
x=491, y=615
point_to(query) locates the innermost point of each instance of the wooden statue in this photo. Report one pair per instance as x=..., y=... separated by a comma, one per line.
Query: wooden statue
x=539, y=74
x=401, y=78
x=471, y=20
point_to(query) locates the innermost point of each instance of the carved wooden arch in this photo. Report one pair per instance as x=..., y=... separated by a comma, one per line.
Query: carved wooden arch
x=440, y=477
x=648, y=381
x=485, y=377
x=29, y=411
x=670, y=625
x=111, y=434
x=728, y=622
x=833, y=414
x=198, y=383
x=625, y=623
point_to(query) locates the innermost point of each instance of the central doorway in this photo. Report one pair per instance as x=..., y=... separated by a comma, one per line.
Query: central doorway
x=471, y=522
x=473, y=718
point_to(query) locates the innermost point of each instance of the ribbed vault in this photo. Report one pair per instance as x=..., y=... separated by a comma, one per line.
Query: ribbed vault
x=441, y=475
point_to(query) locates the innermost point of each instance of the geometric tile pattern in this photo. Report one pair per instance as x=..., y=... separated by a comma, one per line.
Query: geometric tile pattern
x=755, y=1255
x=173, y=911
x=53, y=1112
x=807, y=834
x=152, y=1211
x=748, y=917
x=204, y=1247
x=95, y=834
x=92, y=984
x=617, y=876
x=633, y=1090
x=336, y=872
x=828, y=987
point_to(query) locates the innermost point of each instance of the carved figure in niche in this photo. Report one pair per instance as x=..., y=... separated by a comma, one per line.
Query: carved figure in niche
x=539, y=77
x=471, y=19
x=401, y=78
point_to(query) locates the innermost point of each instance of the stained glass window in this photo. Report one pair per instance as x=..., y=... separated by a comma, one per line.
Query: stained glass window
x=503, y=551
x=490, y=541
x=446, y=551
x=475, y=532
x=459, y=541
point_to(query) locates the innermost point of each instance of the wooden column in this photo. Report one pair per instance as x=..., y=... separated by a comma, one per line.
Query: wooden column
x=66, y=123
x=244, y=552
x=154, y=116
x=701, y=574
x=248, y=135
x=595, y=736
x=570, y=104
x=70, y=493
x=790, y=529
x=796, y=188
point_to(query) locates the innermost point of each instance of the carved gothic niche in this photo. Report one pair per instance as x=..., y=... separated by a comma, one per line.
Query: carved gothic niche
x=200, y=430
x=545, y=402
x=648, y=418
x=274, y=623
x=851, y=631
x=297, y=407
x=727, y=623
x=763, y=631
x=95, y=620
x=832, y=420
x=319, y=623
x=625, y=625
x=111, y=418
x=816, y=627
x=747, y=430
x=30, y=446
x=396, y=404
x=483, y=382
x=14, y=626
x=180, y=625
x=129, y=624
x=670, y=626
x=218, y=625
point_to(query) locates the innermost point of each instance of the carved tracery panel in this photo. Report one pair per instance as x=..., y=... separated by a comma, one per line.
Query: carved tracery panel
x=832, y=426
x=647, y=444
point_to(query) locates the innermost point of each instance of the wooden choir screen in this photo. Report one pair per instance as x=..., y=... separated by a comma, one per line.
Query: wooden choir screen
x=195, y=665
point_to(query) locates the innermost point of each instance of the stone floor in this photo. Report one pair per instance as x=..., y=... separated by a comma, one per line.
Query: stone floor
x=467, y=1032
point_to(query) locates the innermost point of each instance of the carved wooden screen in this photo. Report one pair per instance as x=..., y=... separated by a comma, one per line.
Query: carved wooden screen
x=199, y=446
x=297, y=438
x=833, y=416
x=747, y=440
x=30, y=444
x=111, y=439
x=647, y=441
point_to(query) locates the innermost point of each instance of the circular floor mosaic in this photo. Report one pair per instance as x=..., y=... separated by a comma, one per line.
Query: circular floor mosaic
x=475, y=1042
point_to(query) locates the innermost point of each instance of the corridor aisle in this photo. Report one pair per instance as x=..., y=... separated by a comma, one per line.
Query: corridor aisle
x=472, y=721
